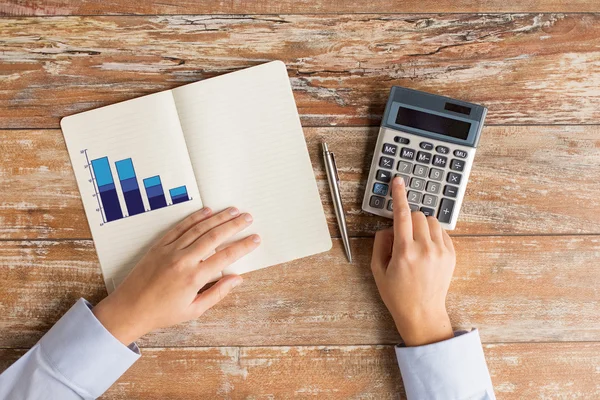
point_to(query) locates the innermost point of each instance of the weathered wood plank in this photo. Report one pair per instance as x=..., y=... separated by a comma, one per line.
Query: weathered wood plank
x=519, y=371
x=512, y=288
x=97, y=7
x=527, y=180
x=527, y=68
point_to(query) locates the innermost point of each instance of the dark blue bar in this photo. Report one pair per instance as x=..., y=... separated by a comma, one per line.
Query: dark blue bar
x=110, y=202
x=107, y=190
x=130, y=187
x=180, y=199
x=155, y=192
x=179, y=194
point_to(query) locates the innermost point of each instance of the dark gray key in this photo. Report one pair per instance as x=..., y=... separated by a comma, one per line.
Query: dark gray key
x=440, y=161
x=428, y=211
x=421, y=171
x=386, y=162
x=417, y=183
x=424, y=157
x=390, y=206
x=404, y=167
x=450, y=191
x=432, y=187
x=436, y=174
x=377, y=202
x=457, y=165
x=383, y=176
x=413, y=207
x=460, y=153
x=380, y=189
x=446, y=208
x=426, y=145
x=453, y=178
x=442, y=149
x=401, y=140
x=407, y=154
x=429, y=200
x=405, y=177
x=389, y=149
x=413, y=197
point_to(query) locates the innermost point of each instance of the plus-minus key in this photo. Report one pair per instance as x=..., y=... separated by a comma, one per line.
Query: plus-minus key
x=445, y=210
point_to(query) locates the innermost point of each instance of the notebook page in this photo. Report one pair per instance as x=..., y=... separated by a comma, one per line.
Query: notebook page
x=126, y=158
x=247, y=148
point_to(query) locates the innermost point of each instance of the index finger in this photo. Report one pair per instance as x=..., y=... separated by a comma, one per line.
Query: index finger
x=403, y=229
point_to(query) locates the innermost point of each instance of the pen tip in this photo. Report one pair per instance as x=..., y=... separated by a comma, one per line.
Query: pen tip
x=324, y=145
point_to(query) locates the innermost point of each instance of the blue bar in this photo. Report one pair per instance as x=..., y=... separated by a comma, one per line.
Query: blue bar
x=179, y=194
x=155, y=192
x=130, y=187
x=106, y=187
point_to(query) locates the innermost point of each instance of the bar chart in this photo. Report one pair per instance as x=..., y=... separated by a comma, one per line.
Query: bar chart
x=106, y=190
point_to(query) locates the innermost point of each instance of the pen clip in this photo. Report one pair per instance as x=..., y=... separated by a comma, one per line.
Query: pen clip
x=335, y=170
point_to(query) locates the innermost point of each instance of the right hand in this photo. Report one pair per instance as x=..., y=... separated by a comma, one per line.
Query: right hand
x=162, y=289
x=413, y=264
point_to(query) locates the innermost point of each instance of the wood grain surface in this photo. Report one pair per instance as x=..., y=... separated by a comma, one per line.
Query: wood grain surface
x=527, y=68
x=525, y=180
x=518, y=370
x=514, y=288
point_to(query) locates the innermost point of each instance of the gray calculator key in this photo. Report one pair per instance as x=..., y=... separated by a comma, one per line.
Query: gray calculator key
x=407, y=154
x=445, y=213
x=420, y=170
x=377, y=202
x=413, y=207
x=450, y=191
x=389, y=149
x=440, y=161
x=417, y=183
x=457, y=165
x=405, y=177
x=413, y=197
x=380, y=188
x=436, y=174
x=386, y=162
x=426, y=145
x=453, y=178
x=432, y=187
x=383, y=176
x=404, y=166
x=429, y=200
x=428, y=211
x=424, y=157
x=460, y=153
x=442, y=149
x=402, y=140
x=390, y=206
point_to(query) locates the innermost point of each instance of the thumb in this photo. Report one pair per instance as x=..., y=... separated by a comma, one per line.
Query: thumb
x=213, y=295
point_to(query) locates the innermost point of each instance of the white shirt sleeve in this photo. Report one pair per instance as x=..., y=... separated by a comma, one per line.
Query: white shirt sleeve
x=454, y=369
x=77, y=358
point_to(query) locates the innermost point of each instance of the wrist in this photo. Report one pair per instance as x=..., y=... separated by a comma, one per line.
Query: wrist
x=422, y=328
x=117, y=322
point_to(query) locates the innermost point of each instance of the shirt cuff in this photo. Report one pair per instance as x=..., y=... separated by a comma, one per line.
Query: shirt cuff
x=451, y=369
x=80, y=349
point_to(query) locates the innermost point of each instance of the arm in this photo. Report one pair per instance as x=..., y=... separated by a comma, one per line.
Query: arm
x=88, y=349
x=413, y=264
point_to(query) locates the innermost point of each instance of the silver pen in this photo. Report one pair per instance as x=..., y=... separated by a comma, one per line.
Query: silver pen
x=334, y=185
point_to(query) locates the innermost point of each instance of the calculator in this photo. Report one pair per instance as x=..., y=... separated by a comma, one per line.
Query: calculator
x=429, y=141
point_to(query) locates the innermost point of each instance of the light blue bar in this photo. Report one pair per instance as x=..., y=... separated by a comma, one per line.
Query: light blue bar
x=178, y=191
x=152, y=181
x=125, y=169
x=102, y=172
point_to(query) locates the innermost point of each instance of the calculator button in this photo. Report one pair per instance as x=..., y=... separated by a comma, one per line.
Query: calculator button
x=426, y=145
x=445, y=213
x=439, y=161
x=380, y=189
x=424, y=157
x=453, y=178
x=377, y=202
x=420, y=171
x=407, y=153
x=390, y=206
x=413, y=197
x=383, y=176
x=413, y=207
x=429, y=200
x=386, y=162
x=450, y=191
x=417, y=183
x=460, y=153
x=442, y=149
x=389, y=149
x=405, y=177
x=404, y=166
x=428, y=211
x=401, y=140
x=457, y=165
x=432, y=187
x=436, y=174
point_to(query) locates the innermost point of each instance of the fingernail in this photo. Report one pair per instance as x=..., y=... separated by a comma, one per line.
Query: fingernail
x=206, y=211
x=256, y=238
x=234, y=211
x=237, y=282
x=248, y=217
x=399, y=181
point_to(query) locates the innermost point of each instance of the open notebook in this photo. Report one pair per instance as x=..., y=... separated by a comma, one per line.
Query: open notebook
x=235, y=140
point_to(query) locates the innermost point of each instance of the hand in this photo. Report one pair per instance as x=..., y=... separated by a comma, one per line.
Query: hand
x=413, y=264
x=162, y=289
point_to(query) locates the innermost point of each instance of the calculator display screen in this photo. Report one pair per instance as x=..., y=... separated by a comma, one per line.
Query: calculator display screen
x=433, y=123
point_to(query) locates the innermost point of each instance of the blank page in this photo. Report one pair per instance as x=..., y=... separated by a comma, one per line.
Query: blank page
x=248, y=150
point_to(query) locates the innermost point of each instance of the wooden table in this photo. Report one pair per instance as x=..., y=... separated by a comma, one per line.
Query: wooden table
x=528, y=274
